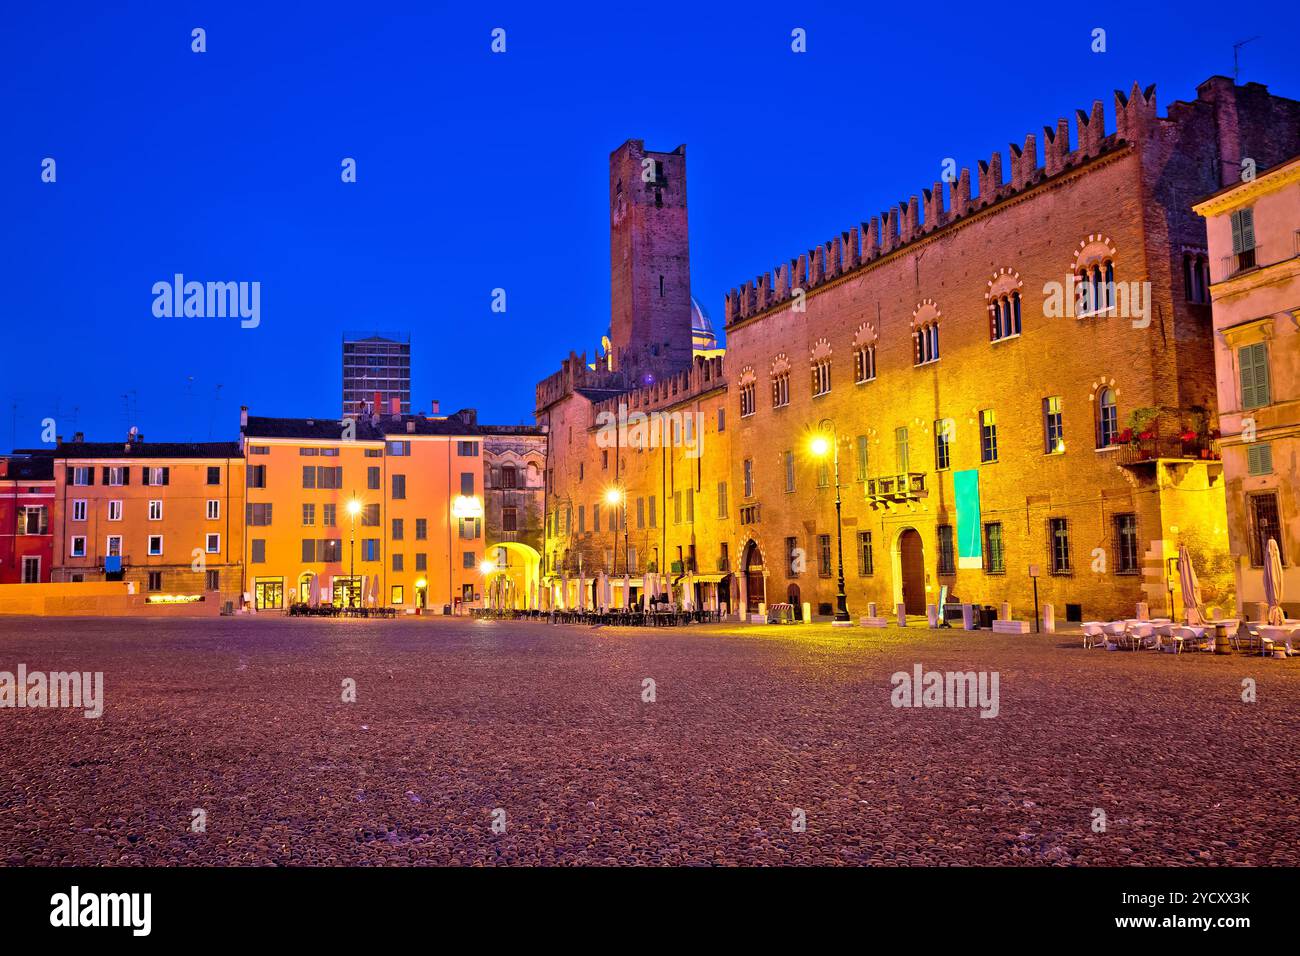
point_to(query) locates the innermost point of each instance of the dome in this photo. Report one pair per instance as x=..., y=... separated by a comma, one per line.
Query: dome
x=703, y=338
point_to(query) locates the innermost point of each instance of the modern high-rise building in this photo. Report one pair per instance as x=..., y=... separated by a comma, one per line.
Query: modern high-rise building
x=375, y=364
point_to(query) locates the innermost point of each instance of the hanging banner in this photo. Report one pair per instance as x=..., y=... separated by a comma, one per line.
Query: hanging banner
x=970, y=539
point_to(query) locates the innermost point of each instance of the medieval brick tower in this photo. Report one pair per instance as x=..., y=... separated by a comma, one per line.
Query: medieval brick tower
x=650, y=265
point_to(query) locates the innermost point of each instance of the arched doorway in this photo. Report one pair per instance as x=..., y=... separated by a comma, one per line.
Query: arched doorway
x=792, y=595
x=911, y=570
x=752, y=566
x=522, y=565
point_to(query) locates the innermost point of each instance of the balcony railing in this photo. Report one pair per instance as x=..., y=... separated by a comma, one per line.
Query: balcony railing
x=1240, y=261
x=909, y=486
x=1154, y=449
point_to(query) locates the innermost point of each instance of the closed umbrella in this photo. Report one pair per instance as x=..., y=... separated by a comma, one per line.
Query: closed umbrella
x=627, y=590
x=315, y=590
x=1273, y=583
x=374, y=589
x=1191, y=588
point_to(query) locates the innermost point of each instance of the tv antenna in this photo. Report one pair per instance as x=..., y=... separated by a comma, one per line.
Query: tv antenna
x=1236, y=48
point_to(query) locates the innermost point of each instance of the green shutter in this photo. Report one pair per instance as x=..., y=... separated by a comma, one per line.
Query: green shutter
x=1253, y=369
x=1259, y=459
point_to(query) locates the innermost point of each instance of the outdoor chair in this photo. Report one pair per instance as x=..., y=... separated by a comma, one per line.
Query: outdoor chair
x=1141, y=635
x=1093, y=635
x=1114, y=632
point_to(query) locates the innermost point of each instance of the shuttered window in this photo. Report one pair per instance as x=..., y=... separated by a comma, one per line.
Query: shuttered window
x=1252, y=363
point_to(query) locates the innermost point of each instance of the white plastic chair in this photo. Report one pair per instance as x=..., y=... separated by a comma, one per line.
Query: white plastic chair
x=1114, y=632
x=1142, y=635
x=1093, y=634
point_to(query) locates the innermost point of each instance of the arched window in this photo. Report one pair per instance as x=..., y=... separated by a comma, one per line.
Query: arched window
x=927, y=343
x=864, y=354
x=508, y=478
x=747, y=378
x=820, y=362
x=1004, y=317
x=780, y=381
x=1107, y=418
x=1096, y=288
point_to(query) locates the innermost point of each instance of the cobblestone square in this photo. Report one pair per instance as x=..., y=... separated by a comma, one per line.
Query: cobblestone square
x=244, y=719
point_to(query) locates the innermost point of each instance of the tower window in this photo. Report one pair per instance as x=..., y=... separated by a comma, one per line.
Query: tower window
x=661, y=287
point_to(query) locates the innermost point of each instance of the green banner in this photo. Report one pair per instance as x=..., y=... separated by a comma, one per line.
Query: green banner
x=970, y=539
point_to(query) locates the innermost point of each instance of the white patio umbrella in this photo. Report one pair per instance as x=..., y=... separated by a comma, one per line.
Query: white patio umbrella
x=1190, y=587
x=315, y=590
x=365, y=588
x=1273, y=583
x=532, y=597
x=564, y=593
x=688, y=592
x=606, y=591
x=627, y=590
x=374, y=589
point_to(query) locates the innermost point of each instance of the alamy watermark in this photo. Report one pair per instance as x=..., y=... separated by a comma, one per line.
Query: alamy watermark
x=1080, y=298
x=36, y=689
x=624, y=429
x=923, y=688
x=208, y=300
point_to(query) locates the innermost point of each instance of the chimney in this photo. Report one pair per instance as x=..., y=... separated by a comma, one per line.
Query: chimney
x=433, y=406
x=78, y=437
x=243, y=419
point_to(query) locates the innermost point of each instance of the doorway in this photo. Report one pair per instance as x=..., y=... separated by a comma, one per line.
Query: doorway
x=752, y=563
x=911, y=565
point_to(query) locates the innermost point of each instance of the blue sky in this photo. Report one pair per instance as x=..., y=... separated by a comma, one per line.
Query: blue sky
x=479, y=171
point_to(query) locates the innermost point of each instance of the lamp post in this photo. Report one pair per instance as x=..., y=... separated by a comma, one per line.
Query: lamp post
x=821, y=445
x=614, y=497
x=354, y=509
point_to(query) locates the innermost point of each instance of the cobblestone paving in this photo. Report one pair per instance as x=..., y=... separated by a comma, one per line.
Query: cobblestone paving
x=453, y=719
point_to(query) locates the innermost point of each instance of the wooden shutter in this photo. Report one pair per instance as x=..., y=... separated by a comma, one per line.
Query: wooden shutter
x=1243, y=230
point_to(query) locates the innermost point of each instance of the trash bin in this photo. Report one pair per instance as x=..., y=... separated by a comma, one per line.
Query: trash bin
x=987, y=615
x=446, y=609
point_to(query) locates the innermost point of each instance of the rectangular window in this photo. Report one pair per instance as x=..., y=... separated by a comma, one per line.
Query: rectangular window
x=308, y=515
x=330, y=550
x=747, y=469
x=256, y=476
x=467, y=482
x=421, y=561
x=1243, y=239
x=33, y=519
x=328, y=476
x=470, y=528
x=308, y=550
x=947, y=557
x=113, y=546
x=595, y=517
x=372, y=477
x=988, y=436
x=212, y=543
x=421, y=529
x=370, y=516
x=259, y=449
x=397, y=595
x=640, y=512
x=1259, y=458
x=1053, y=429
x=115, y=510
x=1059, y=533
x=994, y=555
x=677, y=509
x=369, y=549
x=467, y=449
x=654, y=513
x=1126, y=544
x=824, y=555
x=214, y=509
x=943, y=430
x=866, y=558
x=155, y=544
x=862, y=458
x=214, y=474
x=789, y=472
x=329, y=515
x=1252, y=363
x=1264, y=524
x=309, y=476
x=722, y=419
x=722, y=499
x=468, y=560
x=116, y=475
x=156, y=476
x=259, y=515
x=398, y=562
x=582, y=520
x=82, y=475
x=155, y=510
x=690, y=505
x=309, y=452
x=399, y=487
x=213, y=581
x=79, y=510
x=793, y=559
x=509, y=519
x=155, y=580
x=399, y=449
x=901, y=454
x=399, y=529
x=79, y=546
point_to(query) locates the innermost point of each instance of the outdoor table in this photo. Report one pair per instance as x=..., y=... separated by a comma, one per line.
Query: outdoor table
x=1277, y=633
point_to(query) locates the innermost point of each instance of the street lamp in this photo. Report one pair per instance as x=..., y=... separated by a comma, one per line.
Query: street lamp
x=826, y=442
x=354, y=509
x=614, y=497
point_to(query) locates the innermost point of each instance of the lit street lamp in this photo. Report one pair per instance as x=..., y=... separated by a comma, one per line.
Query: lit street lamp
x=615, y=496
x=823, y=443
x=354, y=509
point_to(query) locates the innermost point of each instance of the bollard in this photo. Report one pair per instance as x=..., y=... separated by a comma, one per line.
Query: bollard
x=968, y=617
x=932, y=614
x=902, y=614
x=807, y=612
x=871, y=609
x=1004, y=611
x=1049, y=619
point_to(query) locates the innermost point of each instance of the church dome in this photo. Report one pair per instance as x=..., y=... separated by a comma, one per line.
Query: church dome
x=703, y=338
